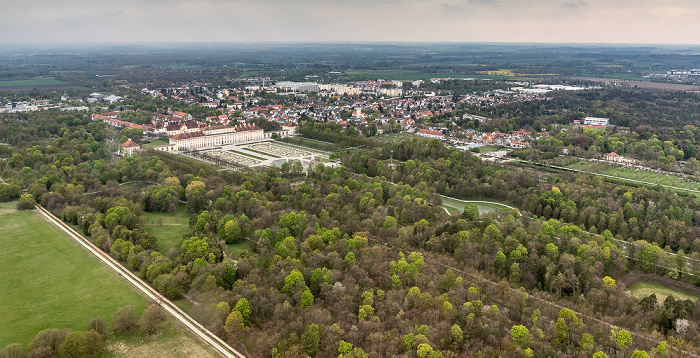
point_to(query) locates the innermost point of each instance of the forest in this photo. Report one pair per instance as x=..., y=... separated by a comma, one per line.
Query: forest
x=342, y=262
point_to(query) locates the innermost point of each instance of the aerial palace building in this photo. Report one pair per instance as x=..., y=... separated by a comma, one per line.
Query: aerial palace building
x=216, y=136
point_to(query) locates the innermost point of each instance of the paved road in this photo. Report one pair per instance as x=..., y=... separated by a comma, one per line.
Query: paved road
x=214, y=341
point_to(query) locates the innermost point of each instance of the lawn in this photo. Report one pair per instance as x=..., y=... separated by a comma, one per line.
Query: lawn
x=237, y=248
x=394, y=137
x=643, y=175
x=33, y=82
x=485, y=149
x=454, y=205
x=246, y=154
x=311, y=143
x=170, y=229
x=48, y=281
x=156, y=142
x=641, y=289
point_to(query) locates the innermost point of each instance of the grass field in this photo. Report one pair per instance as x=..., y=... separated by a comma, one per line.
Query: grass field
x=394, y=137
x=169, y=234
x=170, y=342
x=235, y=249
x=310, y=143
x=458, y=206
x=156, y=142
x=48, y=281
x=485, y=149
x=33, y=82
x=641, y=289
x=643, y=175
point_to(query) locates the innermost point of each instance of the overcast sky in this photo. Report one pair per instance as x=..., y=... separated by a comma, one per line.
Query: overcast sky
x=138, y=21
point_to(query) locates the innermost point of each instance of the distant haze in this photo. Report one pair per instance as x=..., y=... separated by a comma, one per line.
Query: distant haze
x=139, y=21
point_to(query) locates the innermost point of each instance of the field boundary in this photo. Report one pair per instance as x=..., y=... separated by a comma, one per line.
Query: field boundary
x=636, y=275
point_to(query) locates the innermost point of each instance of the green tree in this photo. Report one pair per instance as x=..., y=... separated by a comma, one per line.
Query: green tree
x=640, y=354
x=520, y=335
x=350, y=259
x=235, y=324
x=562, y=331
x=26, y=202
x=243, y=307
x=389, y=223
x=457, y=336
x=623, y=339
x=500, y=261
x=294, y=282
x=471, y=212
x=307, y=299
x=232, y=231
x=310, y=339
x=609, y=284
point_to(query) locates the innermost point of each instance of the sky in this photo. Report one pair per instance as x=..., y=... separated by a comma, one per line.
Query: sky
x=147, y=21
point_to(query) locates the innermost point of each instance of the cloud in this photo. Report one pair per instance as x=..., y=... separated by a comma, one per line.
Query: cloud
x=451, y=7
x=574, y=4
x=350, y=20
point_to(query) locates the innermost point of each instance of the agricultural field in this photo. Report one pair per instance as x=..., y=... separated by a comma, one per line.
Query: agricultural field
x=49, y=81
x=643, y=175
x=168, y=228
x=47, y=281
x=511, y=73
x=641, y=289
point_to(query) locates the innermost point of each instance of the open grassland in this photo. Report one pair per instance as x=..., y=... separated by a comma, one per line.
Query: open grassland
x=641, y=289
x=643, y=175
x=170, y=342
x=168, y=228
x=49, y=81
x=48, y=281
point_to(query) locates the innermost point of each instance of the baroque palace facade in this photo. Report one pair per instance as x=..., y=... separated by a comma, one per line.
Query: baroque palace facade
x=217, y=136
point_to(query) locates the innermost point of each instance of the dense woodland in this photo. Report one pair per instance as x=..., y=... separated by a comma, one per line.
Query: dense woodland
x=344, y=263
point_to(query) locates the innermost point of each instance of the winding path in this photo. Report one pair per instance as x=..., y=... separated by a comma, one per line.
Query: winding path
x=215, y=342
